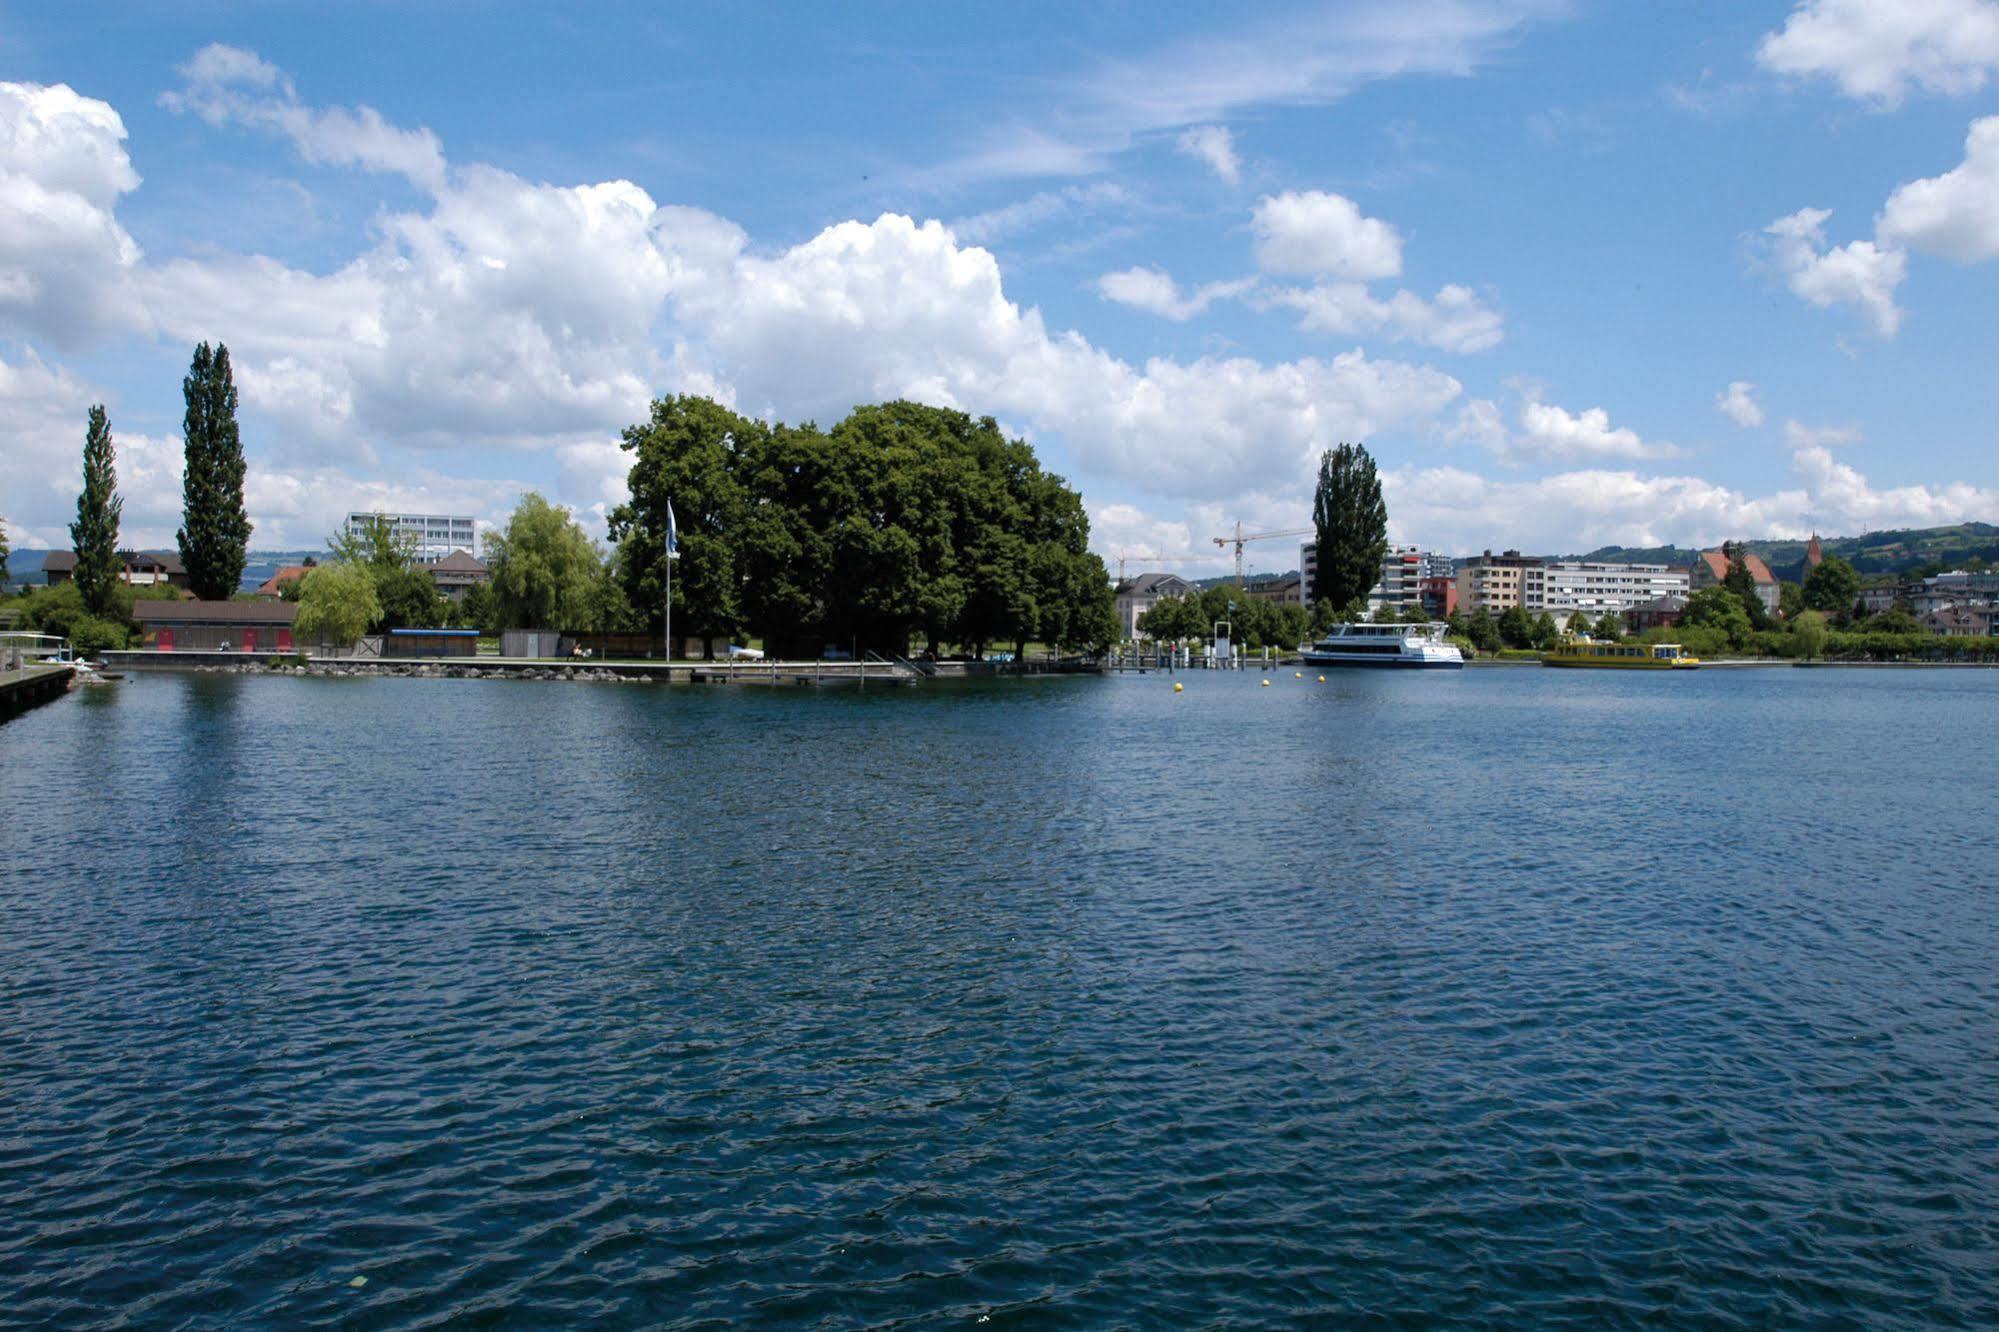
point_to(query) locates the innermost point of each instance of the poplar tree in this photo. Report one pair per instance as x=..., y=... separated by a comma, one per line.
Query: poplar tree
x=3, y=553
x=1351, y=524
x=94, y=534
x=215, y=532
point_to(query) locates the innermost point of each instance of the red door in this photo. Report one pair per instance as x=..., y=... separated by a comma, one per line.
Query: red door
x=285, y=640
x=249, y=640
x=166, y=640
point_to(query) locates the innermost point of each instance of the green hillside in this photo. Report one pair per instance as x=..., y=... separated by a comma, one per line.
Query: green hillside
x=1898, y=551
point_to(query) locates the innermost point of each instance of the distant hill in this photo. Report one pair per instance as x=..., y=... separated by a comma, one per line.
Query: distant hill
x=1887, y=552
x=25, y=566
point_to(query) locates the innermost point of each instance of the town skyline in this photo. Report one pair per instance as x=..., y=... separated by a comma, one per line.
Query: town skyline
x=1651, y=309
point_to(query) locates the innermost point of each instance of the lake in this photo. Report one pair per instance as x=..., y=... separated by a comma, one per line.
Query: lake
x=1503, y=996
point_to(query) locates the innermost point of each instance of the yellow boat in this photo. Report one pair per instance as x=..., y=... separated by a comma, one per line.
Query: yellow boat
x=1620, y=656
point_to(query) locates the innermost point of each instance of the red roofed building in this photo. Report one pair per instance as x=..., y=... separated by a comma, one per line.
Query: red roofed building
x=274, y=586
x=1711, y=569
x=1814, y=556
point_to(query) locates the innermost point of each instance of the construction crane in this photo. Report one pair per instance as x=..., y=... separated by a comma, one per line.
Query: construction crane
x=1157, y=559
x=1242, y=538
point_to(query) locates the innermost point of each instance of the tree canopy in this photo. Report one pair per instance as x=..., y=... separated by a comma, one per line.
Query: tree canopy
x=94, y=534
x=1350, y=521
x=1721, y=610
x=215, y=529
x=336, y=603
x=545, y=569
x=903, y=519
x=1833, y=587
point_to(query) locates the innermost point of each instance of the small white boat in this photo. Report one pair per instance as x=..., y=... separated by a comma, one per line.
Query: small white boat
x=1404, y=646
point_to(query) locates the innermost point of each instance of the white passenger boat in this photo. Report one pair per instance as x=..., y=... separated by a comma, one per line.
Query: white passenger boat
x=1418, y=646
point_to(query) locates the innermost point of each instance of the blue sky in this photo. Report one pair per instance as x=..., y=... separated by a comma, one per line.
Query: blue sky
x=1575, y=272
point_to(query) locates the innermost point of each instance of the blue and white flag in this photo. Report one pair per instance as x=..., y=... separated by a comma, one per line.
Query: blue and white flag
x=672, y=534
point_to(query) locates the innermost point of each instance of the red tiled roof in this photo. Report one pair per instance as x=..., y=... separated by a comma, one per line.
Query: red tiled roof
x=1717, y=564
x=291, y=573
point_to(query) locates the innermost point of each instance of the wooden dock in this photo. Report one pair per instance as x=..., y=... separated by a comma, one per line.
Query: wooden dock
x=27, y=686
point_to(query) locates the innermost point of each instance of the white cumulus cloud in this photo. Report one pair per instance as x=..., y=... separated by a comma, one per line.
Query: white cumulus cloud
x=1738, y=403
x=1878, y=50
x=1215, y=145
x=1955, y=215
x=1315, y=232
x=1860, y=273
x=1154, y=292
x=64, y=258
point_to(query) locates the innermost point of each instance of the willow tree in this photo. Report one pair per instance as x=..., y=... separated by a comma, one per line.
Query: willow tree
x=215, y=529
x=545, y=569
x=1351, y=524
x=94, y=534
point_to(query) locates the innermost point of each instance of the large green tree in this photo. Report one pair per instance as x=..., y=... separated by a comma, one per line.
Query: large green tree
x=1721, y=610
x=1351, y=524
x=686, y=455
x=336, y=604
x=902, y=520
x=545, y=569
x=1743, y=584
x=94, y=534
x=1833, y=587
x=406, y=594
x=215, y=529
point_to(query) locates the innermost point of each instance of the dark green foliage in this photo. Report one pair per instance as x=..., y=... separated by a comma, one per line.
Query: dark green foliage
x=1546, y=635
x=409, y=599
x=215, y=530
x=1897, y=619
x=4, y=551
x=1743, y=584
x=1720, y=610
x=1610, y=628
x=903, y=520
x=1252, y=623
x=94, y=534
x=1483, y=631
x=1516, y=628
x=1351, y=524
x=478, y=610
x=1790, y=600
x=1833, y=587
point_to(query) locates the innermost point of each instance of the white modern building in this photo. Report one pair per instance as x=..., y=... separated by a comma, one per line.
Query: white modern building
x=1568, y=586
x=1403, y=569
x=431, y=536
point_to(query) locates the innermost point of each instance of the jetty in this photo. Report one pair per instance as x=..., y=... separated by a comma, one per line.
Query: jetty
x=26, y=684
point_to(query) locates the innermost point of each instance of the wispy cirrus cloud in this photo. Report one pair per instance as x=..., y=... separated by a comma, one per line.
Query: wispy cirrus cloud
x=1302, y=60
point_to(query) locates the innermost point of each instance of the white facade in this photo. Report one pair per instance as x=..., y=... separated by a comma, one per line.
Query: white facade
x=1567, y=586
x=431, y=536
x=1403, y=569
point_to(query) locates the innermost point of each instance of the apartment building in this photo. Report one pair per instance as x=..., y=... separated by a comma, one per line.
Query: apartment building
x=431, y=536
x=1568, y=586
x=1496, y=583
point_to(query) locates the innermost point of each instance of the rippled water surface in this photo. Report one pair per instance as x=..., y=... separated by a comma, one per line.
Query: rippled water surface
x=1508, y=996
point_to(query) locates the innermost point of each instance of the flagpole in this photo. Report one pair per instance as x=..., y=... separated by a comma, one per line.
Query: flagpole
x=669, y=608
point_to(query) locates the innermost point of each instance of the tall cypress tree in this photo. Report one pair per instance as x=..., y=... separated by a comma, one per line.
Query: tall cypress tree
x=3, y=552
x=94, y=534
x=215, y=531
x=1351, y=523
